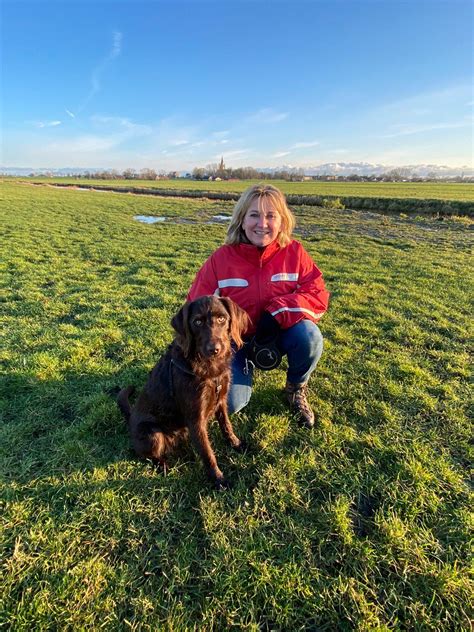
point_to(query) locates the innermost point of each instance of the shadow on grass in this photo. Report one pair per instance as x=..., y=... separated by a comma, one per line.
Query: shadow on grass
x=58, y=427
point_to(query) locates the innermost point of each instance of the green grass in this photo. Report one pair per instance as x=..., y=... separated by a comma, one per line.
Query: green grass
x=363, y=523
x=399, y=190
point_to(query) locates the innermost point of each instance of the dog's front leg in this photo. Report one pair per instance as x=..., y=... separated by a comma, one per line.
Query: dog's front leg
x=225, y=425
x=200, y=439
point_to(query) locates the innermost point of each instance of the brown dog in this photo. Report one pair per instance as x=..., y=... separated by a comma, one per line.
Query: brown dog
x=189, y=385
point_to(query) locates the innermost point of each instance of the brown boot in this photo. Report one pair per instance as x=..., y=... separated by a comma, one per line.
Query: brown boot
x=296, y=396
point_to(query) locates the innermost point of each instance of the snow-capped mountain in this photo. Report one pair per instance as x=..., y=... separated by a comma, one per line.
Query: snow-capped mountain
x=371, y=169
x=65, y=171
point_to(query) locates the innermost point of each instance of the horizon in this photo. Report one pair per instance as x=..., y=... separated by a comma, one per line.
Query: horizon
x=176, y=86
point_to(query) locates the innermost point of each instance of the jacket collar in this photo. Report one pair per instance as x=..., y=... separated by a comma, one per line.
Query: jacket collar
x=257, y=255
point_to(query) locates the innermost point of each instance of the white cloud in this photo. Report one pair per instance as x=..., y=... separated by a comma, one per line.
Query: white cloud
x=235, y=153
x=312, y=143
x=280, y=154
x=83, y=144
x=266, y=115
x=117, y=45
x=122, y=124
x=178, y=142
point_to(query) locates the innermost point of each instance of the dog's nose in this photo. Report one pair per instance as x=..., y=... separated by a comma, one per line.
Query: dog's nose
x=214, y=349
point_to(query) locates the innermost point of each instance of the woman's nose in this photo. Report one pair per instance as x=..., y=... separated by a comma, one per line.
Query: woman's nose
x=262, y=220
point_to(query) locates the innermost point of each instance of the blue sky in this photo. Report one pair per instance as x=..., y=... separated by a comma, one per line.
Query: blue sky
x=174, y=85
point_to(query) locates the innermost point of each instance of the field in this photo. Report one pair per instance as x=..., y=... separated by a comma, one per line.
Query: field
x=363, y=523
x=399, y=190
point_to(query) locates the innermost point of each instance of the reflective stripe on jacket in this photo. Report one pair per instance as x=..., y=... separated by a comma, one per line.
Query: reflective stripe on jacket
x=283, y=281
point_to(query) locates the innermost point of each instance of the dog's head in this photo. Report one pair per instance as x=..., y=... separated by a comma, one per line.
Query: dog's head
x=207, y=325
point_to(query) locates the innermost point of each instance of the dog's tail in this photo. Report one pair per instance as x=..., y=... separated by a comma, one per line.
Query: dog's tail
x=123, y=403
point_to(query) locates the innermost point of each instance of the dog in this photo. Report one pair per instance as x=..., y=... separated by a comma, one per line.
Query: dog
x=189, y=385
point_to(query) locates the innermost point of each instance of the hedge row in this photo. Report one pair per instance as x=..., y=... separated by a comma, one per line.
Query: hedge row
x=392, y=205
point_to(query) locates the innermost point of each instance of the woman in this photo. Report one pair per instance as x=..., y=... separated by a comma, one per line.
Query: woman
x=272, y=277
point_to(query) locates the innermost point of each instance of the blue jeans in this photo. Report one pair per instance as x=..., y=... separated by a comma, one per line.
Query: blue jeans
x=302, y=343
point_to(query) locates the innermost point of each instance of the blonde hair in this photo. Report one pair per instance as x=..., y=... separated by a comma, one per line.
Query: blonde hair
x=266, y=194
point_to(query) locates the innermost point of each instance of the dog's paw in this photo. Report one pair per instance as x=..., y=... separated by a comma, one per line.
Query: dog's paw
x=160, y=466
x=222, y=484
x=242, y=447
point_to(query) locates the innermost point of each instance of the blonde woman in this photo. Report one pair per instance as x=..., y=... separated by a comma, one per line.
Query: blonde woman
x=272, y=277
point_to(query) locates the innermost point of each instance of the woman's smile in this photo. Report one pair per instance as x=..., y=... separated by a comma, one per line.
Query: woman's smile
x=261, y=225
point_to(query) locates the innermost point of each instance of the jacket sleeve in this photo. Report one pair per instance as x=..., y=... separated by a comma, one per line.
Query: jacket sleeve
x=309, y=301
x=205, y=282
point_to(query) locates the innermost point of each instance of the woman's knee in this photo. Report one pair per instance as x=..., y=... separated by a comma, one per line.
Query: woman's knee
x=306, y=334
x=238, y=398
x=315, y=336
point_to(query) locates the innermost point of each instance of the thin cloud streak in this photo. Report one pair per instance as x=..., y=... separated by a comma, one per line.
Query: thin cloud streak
x=266, y=115
x=426, y=128
x=100, y=69
x=42, y=124
x=303, y=145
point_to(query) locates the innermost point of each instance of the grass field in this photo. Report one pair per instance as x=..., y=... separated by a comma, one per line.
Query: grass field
x=363, y=523
x=415, y=190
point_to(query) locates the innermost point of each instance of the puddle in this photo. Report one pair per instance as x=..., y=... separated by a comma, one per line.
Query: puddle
x=149, y=219
x=153, y=219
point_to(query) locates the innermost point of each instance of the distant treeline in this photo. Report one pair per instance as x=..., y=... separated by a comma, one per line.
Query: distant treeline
x=221, y=172
x=211, y=172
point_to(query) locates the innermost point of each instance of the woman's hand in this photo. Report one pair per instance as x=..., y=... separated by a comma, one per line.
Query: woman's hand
x=264, y=351
x=267, y=328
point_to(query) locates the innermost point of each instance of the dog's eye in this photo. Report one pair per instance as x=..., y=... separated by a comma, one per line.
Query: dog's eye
x=197, y=322
x=221, y=319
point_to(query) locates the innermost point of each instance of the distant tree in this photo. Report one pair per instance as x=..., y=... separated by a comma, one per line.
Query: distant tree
x=212, y=169
x=147, y=174
x=129, y=174
x=199, y=173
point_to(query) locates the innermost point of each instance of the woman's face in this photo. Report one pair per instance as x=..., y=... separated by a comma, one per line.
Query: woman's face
x=261, y=223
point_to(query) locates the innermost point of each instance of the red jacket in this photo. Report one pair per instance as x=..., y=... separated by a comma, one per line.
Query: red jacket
x=283, y=281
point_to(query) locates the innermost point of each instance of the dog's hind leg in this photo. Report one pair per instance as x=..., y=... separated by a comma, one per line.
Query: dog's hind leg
x=150, y=444
x=158, y=449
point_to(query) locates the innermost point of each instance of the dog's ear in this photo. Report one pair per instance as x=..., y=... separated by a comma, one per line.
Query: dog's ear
x=239, y=320
x=180, y=323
